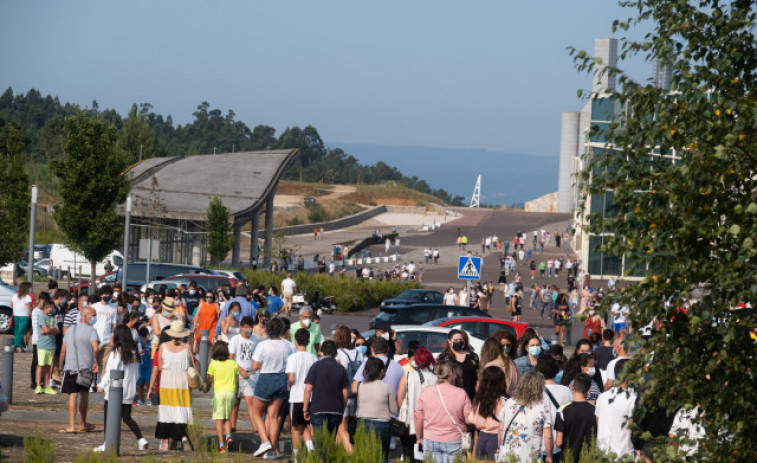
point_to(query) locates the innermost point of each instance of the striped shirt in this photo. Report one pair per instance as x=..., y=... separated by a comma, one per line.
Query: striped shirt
x=71, y=318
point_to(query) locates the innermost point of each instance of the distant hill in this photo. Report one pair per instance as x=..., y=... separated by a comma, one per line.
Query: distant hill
x=506, y=178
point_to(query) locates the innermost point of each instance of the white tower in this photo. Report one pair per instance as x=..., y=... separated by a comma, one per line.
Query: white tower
x=476, y=193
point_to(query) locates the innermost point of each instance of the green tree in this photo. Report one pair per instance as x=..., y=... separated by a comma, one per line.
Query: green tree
x=14, y=193
x=137, y=139
x=680, y=168
x=220, y=239
x=91, y=185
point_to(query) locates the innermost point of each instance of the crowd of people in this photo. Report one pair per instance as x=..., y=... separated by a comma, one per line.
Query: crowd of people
x=515, y=397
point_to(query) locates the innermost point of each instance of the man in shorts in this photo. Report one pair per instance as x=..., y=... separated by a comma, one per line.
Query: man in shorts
x=241, y=348
x=288, y=287
x=79, y=351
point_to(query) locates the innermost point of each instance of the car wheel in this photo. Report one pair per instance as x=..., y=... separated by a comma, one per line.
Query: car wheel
x=37, y=273
x=5, y=320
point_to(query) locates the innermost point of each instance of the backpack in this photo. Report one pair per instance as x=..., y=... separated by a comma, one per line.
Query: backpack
x=353, y=365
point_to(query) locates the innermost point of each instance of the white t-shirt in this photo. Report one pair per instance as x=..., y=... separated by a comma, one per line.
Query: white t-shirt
x=614, y=409
x=107, y=317
x=563, y=396
x=35, y=329
x=684, y=426
x=345, y=356
x=19, y=305
x=611, y=368
x=299, y=363
x=272, y=355
x=242, y=349
x=288, y=285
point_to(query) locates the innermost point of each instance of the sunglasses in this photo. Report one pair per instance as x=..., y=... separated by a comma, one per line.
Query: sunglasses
x=358, y=345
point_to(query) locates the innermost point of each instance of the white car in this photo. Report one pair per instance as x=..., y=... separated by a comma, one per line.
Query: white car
x=234, y=274
x=6, y=309
x=431, y=337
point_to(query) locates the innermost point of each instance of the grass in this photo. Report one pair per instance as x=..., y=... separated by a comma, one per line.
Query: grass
x=391, y=193
x=289, y=187
x=38, y=450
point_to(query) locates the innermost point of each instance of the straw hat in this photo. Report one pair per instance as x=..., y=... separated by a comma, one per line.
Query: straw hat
x=177, y=330
x=168, y=304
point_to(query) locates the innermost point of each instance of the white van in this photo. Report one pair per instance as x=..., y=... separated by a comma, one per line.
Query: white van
x=65, y=259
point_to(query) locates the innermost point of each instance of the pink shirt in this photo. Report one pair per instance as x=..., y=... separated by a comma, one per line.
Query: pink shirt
x=488, y=424
x=437, y=425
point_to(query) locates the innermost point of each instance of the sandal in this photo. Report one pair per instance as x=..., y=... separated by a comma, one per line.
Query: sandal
x=163, y=446
x=88, y=427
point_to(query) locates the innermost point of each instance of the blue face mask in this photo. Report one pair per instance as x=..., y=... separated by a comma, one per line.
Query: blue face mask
x=362, y=349
x=534, y=351
x=93, y=320
x=237, y=315
x=558, y=377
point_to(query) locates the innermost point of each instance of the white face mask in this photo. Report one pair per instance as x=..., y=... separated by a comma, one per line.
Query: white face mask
x=305, y=322
x=591, y=371
x=385, y=336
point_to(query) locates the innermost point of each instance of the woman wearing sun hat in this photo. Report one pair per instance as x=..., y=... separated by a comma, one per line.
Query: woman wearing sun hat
x=175, y=409
x=162, y=320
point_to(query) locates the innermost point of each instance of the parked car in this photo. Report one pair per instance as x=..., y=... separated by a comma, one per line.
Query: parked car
x=107, y=279
x=431, y=337
x=422, y=313
x=169, y=284
x=138, y=272
x=480, y=326
x=412, y=297
x=203, y=281
x=239, y=276
x=6, y=308
x=41, y=267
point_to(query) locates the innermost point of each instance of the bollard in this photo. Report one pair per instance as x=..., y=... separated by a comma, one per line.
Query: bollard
x=8, y=368
x=204, y=350
x=113, y=423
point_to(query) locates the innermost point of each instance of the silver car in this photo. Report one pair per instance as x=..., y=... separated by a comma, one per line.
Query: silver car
x=6, y=308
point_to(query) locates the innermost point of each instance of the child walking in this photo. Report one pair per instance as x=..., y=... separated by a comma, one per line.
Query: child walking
x=222, y=375
x=45, y=347
x=145, y=366
x=123, y=357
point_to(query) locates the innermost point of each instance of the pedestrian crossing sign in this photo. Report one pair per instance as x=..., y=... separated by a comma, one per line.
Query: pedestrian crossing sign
x=469, y=268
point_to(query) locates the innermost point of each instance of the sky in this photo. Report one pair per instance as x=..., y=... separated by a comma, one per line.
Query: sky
x=493, y=74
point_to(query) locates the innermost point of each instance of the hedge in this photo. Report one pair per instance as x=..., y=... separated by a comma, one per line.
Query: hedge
x=350, y=294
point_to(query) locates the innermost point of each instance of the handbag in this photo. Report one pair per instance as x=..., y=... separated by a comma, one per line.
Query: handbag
x=84, y=376
x=193, y=376
x=466, y=438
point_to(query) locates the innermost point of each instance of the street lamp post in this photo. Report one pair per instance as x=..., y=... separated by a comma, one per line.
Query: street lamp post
x=124, y=283
x=32, y=229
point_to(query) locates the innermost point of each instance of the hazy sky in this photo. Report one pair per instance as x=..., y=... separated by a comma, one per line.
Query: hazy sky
x=483, y=74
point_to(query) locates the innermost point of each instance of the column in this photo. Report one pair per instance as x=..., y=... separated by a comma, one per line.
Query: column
x=254, y=236
x=268, y=237
x=237, y=242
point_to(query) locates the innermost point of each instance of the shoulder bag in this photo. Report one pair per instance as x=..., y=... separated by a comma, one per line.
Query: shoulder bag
x=466, y=438
x=84, y=376
x=504, y=434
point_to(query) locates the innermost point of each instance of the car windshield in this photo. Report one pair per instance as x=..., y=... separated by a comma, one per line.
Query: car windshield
x=386, y=315
x=411, y=295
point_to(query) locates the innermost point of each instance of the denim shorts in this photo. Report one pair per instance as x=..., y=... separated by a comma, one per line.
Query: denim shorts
x=271, y=386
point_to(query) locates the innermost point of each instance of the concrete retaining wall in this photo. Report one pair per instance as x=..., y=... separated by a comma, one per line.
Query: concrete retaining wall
x=334, y=224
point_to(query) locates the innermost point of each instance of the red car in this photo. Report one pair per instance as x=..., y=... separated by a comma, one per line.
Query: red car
x=482, y=327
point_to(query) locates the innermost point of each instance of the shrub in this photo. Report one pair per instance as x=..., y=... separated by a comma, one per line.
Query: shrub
x=350, y=294
x=316, y=213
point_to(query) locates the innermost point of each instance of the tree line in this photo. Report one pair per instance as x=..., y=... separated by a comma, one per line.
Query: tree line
x=143, y=134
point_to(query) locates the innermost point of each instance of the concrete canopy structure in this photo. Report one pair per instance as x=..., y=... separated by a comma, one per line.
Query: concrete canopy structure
x=179, y=189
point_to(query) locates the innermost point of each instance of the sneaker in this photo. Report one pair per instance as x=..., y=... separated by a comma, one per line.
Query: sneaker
x=39, y=390
x=143, y=444
x=54, y=383
x=50, y=391
x=229, y=441
x=149, y=402
x=139, y=402
x=99, y=448
x=262, y=449
x=221, y=449
x=270, y=455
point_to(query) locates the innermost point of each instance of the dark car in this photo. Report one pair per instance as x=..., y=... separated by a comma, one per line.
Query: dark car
x=482, y=327
x=421, y=313
x=412, y=297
